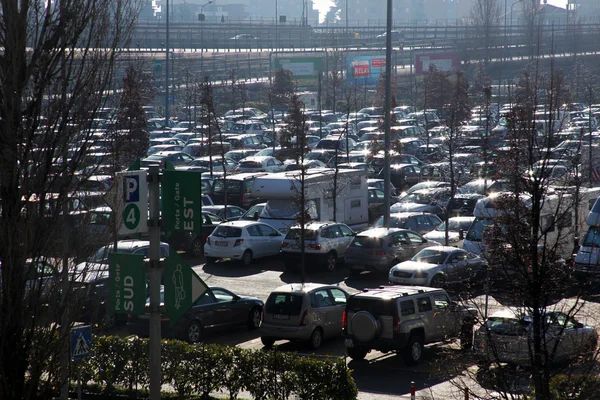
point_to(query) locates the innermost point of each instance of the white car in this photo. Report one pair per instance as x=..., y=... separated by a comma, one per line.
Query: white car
x=242, y=240
x=455, y=226
x=260, y=164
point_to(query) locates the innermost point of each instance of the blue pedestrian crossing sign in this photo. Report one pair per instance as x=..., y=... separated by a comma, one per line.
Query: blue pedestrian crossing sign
x=81, y=342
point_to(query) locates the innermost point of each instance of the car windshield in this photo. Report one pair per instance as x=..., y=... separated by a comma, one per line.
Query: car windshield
x=592, y=237
x=418, y=198
x=395, y=222
x=250, y=164
x=454, y=225
x=296, y=233
x=284, y=304
x=367, y=242
x=227, y=231
x=430, y=256
x=508, y=326
x=286, y=209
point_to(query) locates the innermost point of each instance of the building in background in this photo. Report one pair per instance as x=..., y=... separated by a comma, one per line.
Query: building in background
x=295, y=11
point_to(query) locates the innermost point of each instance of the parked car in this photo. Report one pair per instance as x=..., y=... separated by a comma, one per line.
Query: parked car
x=238, y=188
x=175, y=158
x=378, y=249
x=325, y=244
x=507, y=335
x=233, y=213
x=217, y=310
x=253, y=213
x=163, y=147
x=403, y=319
x=217, y=164
x=403, y=176
x=457, y=228
x=379, y=184
x=239, y=154
x=242, y=240
x=431, y=201
x=308, y=312
x=260, y=164
x=376, y=198
x=421, y=223
x=437, y=265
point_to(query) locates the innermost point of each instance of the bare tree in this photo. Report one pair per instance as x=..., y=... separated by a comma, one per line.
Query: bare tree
x=485, y=16
x=57, y=61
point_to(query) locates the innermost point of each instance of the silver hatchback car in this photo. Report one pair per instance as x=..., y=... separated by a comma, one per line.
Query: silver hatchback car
x=308, y=312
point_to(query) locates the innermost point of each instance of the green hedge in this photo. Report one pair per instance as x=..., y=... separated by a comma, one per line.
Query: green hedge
x=198, y=370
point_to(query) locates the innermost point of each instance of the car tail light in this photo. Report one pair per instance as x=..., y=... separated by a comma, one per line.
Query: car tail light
x=315, y=246
x=377, y=253
x=284, y=244
x=344, y=320
x=208, y=239
x=237, y=170
x=396, y=325
x=128, y=316
x=304, y=320
x=238, y=242
x=164, y=318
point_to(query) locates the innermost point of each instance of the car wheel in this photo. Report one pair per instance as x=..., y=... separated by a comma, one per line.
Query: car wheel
x=197, y=248
x=316, y=338
x=267, y=341
x=357, y=353
x=194, y=332
x=254, y=318
x=331, y=261
x=437, y=281
x=211, y=260
x=247, y=257
x=414, y=351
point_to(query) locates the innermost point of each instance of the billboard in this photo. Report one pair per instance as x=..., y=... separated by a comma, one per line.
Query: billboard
x=364, y=69
x=301, y=67
x=446, y=62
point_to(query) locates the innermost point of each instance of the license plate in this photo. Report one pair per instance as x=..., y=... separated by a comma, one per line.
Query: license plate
x=348, y=342
x=221, y=243
x=281, y=316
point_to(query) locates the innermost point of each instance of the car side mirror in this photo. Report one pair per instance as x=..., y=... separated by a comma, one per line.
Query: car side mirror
x=461, y=234
x=236, y=298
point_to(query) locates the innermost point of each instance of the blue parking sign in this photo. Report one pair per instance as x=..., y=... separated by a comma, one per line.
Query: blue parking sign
x=131, y=188
x=81, y=342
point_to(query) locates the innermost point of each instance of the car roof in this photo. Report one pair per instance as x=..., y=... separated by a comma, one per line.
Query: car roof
x=379, y=232
x=302, y=287
x=241, y=223
x=315, y=224
x=393, y=292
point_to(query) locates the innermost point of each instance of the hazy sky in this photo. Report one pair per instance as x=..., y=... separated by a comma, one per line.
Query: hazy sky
x=323, y=5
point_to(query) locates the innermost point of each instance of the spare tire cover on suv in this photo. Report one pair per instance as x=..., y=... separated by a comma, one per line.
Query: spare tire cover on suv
x=364, y=326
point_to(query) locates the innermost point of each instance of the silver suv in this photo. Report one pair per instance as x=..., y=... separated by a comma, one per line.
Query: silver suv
x=307, y=312
x=325, y=243
x=403, y=319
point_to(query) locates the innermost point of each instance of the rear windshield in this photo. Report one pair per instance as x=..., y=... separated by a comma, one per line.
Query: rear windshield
x=373, y=306
x=233, y=186
x=507, y=326
x=284, y=303
x=227, y=231
x=250, y=164
x=296, y=233
x=367, y=242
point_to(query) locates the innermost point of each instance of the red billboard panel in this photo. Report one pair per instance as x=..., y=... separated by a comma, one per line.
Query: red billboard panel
x=362, y=70
x=378, y=62
x=447, y=62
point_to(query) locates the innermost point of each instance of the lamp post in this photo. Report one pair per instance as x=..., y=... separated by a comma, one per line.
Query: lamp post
x=201, y=18
x=505, y=27
x=511, y=15
x=167, y=68
x=276, y=26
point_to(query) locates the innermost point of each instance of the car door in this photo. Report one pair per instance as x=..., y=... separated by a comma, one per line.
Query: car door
x=417, y=242
x=271, y=240
x=348, y=235
x=445, y=320
x=230, y=311
x=203, y=310
x=324, y=311
x=336, y=238
x=425, y=314
x=339, y=298
x=257, y=241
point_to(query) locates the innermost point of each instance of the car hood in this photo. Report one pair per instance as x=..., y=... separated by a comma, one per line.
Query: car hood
x=440, y=236
x=413, y=266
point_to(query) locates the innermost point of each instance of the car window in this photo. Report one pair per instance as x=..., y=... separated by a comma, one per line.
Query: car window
x=407, y=307
x=207, y=298
x=424, y=304
x=253, y=230
x=398, y=238
x=414, y=238
x=267, y=230
x=222, y=296
x=145, y=251
x=346, y=231
x=440, y=301
x=284, y=304
x=326, y=233
x=411, y=223
x=339, y=296
x=336, y=232
x=233, y=212
x=320, y=298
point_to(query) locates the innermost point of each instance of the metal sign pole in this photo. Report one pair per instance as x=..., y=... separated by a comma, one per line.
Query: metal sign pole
x=154, y=274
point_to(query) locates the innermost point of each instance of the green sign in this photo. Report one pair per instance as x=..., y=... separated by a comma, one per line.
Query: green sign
x=181, y=201
x=301, y=67
x=127, y=276
x=131, y=216
x=182, y=287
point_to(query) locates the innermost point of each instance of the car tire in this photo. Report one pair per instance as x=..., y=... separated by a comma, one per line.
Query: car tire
x=247, y=258
x=316, y=339
x=197, y=247
x=437, y=281
x=357, y=353
x=331, y=261
x=193, y=332
x=267, y=341
x=414, y=350
x=109, y=320
x=211, y=260
x=254, y=318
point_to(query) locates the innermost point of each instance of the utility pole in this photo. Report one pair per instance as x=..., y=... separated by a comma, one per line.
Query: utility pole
x=388, y=116
x=154, y=274
x=167, y=68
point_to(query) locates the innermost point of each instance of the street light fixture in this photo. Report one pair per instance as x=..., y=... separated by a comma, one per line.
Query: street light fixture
x=201, y=19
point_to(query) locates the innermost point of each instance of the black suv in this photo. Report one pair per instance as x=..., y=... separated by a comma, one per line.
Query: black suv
x=403, y=319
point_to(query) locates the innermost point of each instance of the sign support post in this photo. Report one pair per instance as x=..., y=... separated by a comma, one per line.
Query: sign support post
x=154, y=273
